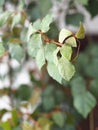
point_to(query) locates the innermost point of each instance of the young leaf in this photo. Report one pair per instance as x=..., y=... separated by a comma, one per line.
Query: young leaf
x=16, y=52
x=5, y=125
x=33, y=28
x=3, y=17
x=66, y=51
x=84, y=101
x=46, y=21
x=64, y=33
x=37, y=25
x=2, y=49
x=16, y=19
x=66, y=69
x=80, y=34
x=40, y=58
x=59, y=119
x=34, y=44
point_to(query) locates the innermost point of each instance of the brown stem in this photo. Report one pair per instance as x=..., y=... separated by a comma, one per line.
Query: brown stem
x=77, y=51
x=57, y=43
x=46, y=39
x=91, y=121
x=67, y=38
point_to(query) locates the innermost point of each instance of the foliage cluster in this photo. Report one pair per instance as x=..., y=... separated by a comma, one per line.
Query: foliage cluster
x=46, y=104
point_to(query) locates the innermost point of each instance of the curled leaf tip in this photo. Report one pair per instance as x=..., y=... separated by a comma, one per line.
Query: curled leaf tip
x=80, y=34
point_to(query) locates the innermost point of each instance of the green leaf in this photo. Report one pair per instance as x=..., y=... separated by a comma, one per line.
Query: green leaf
x=14, y=116
x=53, y=72
x=82, y=63
x=23, y=93
x=33, y=28
x=49, y=90
x=5, y=125
x=66, y=51
x=81, y=32
x=16, y=19
x=92, y=69
x=21, y=4
x=46, y=21
x=55, y=56
x=83, y=2
x=1, y=128
x=92, y=7
x=40, y=58
x=84, y=101
x=64, y=33
x=44, y=6
x=2, y=2
x=53, y=32
x=94, y=87
x=4, y=17
x=33, y=10
x=59, y=119
x=17, y=128
x=30, y=31
x=2, y=49
x=60, y=96
x=92, y=50
x=48, y=103
x=66, y=69
x=49, y=49
x=78, y=82
x=70, y=127
x=37, y=25
x=34, y=44
x=74, y=19
x=27, y=126
x=44, y=123
x=16, y=52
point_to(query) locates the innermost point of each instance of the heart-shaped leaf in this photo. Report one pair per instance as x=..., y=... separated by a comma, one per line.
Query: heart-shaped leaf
x=64, y=33
x=66, y=69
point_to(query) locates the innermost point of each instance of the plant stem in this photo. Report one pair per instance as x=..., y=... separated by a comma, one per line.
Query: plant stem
x=91, y=121
x=77, y=51
x=68, y=38
x=47, y=40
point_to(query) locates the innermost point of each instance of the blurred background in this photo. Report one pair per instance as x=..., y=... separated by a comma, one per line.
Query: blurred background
x=29, y=98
